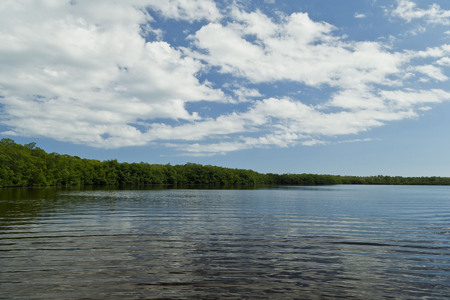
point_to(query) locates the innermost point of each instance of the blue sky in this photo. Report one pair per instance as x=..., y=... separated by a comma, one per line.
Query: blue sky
x=355, y=87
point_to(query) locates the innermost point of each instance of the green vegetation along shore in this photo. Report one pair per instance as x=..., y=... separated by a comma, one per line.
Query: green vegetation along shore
x=30, y=166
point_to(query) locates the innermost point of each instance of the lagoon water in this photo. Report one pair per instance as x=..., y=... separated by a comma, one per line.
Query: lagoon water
x=348, y=242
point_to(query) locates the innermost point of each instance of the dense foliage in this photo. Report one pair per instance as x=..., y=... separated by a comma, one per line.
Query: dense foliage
x=28, y=165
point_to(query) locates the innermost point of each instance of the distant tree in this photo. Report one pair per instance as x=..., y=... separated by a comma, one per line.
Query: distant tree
x=29, y=165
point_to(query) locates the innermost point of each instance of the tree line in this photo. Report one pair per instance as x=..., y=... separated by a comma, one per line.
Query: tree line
x=29, y=166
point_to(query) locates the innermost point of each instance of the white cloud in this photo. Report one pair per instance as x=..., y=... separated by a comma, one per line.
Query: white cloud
x=432, y=72
x=360, y=16
x=434, y=52
x=445, y=61
x=85, y=73
x=407, y=10
x=356, y=141
x=244, y=94
x=190, y=10
x=411, y=98
x=313, y=142
x=223, y=125
x=286, y=122
x=296, y=49
x=354, y=99
x=417, y=30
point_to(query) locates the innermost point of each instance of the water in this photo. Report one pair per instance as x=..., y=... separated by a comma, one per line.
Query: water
x=350, y=242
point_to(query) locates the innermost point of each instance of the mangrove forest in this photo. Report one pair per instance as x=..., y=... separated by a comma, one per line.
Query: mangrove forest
x=30, y=166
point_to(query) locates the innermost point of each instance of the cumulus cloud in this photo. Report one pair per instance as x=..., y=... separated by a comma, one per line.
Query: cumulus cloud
x=190, y=10
x=85, y=72
x=408, y=10
x=296, y=49
x=432, y=72
x=445, y=61
x=89, y=72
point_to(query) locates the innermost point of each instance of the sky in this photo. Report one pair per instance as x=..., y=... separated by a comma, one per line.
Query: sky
x=354, y=87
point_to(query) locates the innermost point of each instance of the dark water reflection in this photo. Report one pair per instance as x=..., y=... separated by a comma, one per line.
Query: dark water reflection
x=353, y=242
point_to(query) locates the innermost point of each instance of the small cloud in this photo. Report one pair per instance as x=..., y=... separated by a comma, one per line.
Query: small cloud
x=445, y=61
x=408, y=10
x=418, y=30
x=360, y=16
x=432, y=72
x=356, y=141
x=193, y=10
x=244, y=94
x=313, y=142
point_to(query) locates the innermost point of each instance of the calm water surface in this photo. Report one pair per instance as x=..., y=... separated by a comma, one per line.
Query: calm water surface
x=351, y=242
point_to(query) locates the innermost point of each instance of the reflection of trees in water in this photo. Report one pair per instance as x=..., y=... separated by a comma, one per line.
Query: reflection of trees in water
x=31, y=202
x=219, y=243
x=22, y=205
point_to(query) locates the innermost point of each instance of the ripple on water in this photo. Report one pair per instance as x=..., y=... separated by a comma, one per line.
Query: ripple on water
x=312, y=243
